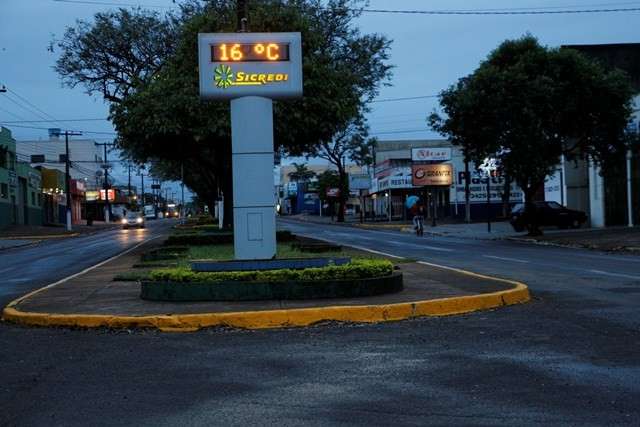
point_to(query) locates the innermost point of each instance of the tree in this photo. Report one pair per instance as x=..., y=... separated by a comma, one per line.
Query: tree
x=351, y=143
x=301, y=173
x=118, y=52
x=526, y=105
x=163, y=119
x=327, y=180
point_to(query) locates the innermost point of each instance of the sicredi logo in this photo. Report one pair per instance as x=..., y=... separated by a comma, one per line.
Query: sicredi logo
x=224, y=77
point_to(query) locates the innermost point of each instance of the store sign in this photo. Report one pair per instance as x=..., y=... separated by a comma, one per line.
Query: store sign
x=91, y=196
x=478, y=189
x=440, y=174
x=359, y=182
x=112, y=195
x=430, y=154
x=333, y=192
x=234, y=65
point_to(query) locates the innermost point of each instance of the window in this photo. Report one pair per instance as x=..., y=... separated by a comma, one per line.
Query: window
x=4, y=191
x=62, y=158
x=37, y=158
x=39, y=199
x=33, y=198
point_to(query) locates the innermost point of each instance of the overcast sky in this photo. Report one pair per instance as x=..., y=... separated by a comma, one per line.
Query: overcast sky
x=429, y=53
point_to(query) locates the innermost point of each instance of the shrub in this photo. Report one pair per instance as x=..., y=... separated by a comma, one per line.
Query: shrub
x=357, y=269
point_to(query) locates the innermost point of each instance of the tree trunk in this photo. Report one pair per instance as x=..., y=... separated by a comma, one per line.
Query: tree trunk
x=506, y=196
x=344, y=193
x=467, y=192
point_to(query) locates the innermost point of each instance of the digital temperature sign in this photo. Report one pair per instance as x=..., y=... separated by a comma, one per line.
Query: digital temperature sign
x=249, y=52
x=234, y=65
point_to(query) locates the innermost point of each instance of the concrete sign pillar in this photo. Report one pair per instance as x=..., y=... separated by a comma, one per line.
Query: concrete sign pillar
x=251, y=69
x=254, y=216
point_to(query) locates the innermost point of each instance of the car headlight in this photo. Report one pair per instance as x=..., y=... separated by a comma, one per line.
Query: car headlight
x=124, y=220
x=139, y=220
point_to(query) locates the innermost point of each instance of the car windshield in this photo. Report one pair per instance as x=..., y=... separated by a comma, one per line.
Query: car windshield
x=554, y=205
x=517, y=208
x=133, y=215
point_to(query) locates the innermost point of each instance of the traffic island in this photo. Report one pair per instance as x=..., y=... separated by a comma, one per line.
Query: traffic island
x=93, y=299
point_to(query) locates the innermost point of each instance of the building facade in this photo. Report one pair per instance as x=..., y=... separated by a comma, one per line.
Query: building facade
x=20, y=186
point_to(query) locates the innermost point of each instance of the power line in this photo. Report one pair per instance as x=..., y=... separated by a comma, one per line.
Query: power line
x=78, y=130
x=408, y=98
x=48, y=121
x=31, y=104
x=502, y=12
x=13, y=114
x=108, y=3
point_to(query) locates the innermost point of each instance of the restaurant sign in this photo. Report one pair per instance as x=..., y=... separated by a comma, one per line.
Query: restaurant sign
x=440, y=174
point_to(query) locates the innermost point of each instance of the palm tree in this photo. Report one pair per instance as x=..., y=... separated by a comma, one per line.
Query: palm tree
x=301, y=173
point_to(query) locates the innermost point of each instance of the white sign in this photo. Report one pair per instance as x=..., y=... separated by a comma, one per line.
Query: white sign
x=431, y=154
x=234, y=65
x=478, y=189
x=359, y=182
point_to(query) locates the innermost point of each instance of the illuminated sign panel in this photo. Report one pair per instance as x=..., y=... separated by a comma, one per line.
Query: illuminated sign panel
x=253, y=52
x=441, y=174
x=234, y=65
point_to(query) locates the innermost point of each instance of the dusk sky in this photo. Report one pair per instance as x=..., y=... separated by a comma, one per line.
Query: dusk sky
x=429, y=53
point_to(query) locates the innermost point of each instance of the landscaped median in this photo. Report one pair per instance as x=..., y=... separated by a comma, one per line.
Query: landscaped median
x=367, y=289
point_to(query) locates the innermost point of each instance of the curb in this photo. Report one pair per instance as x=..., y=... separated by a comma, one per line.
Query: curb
x=268, y=319
x=279, y=318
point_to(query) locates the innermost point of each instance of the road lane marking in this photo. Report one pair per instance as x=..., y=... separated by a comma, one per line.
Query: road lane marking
x=17, y=280
x=506, y=258
x=418, y=246
x=606, y=273
x=361, y=248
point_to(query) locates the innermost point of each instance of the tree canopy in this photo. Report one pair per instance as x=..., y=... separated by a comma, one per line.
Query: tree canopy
x=527, y=104
x=163, y=120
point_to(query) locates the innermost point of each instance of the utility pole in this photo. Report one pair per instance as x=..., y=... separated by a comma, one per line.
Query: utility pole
x=142, y=188
x=129, y=183
x=67, y=177
x=182, y=189
x=107, y=213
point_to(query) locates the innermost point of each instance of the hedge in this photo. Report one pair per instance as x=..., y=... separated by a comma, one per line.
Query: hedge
x=357, y=269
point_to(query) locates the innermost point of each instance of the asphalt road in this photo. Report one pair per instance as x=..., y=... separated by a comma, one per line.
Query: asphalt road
x=570, y=357
x=27, y=268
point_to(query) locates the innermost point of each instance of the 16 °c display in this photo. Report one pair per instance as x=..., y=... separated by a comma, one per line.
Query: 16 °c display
x=252, y=52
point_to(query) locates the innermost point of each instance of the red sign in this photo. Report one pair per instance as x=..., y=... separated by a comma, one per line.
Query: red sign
x=112, y=195
x=333, y=192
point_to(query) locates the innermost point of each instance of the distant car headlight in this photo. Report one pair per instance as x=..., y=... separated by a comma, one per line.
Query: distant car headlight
x=139, y=220
x=124, y=220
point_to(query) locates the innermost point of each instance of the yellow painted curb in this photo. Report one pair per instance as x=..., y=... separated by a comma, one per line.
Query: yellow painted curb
x=278, y=318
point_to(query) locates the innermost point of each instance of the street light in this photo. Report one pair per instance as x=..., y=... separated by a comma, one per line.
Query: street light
x=488, y=166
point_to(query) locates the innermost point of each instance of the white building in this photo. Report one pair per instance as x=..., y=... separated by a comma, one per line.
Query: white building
x=85, y=154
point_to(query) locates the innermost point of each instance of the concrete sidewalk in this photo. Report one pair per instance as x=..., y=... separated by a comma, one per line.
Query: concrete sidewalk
x=94, y=294
x=476, y=230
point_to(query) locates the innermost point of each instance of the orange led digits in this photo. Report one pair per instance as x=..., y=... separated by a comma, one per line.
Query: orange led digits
x=249, y=52
x=272, y=52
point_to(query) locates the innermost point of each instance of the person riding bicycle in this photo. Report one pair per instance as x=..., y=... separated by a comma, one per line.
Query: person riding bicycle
x=418, y=221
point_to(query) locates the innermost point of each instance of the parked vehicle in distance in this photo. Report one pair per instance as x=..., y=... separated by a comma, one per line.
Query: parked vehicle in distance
x=547, y=214
x=133, y=219
x=149, y=212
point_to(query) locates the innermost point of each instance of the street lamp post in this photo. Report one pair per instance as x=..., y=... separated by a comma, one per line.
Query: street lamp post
x=489, y=166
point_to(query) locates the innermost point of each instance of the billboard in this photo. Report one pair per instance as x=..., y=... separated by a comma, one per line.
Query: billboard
x=439, y=174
